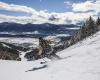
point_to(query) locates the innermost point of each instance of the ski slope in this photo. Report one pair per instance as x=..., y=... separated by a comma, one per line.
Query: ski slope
x=79, y=62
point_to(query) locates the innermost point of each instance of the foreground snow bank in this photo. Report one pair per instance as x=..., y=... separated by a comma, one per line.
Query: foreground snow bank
x=80, y=62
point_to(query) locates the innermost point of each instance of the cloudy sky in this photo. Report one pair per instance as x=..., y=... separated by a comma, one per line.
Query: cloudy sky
x=48, y=11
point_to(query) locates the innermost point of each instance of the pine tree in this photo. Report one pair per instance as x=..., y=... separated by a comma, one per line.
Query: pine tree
x=98, y=24
x=98, y=21
x=90, y=24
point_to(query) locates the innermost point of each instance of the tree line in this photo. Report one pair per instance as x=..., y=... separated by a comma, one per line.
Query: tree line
x=89, y=28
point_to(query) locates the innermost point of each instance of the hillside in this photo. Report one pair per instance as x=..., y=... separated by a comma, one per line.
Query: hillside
x=10, y=52
x=79, y=62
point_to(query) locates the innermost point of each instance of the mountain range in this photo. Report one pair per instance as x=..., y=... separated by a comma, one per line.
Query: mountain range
x=34, y=30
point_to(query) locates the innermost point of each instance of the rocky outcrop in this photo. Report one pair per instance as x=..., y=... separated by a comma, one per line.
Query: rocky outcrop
x=44, y=50
x=8, y=52
x=32, y=55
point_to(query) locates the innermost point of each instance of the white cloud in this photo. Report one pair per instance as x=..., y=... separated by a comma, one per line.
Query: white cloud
x=87, y=6
x=16, y=8
x=43, y=16
x=67, y=3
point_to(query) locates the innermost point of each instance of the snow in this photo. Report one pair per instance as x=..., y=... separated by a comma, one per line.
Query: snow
x=15, y=33
x=74, y=28
x=20, y=41
x=35, y=32
x=63, y=35
x=79, y=62
x=4, y=45
x=52, y=38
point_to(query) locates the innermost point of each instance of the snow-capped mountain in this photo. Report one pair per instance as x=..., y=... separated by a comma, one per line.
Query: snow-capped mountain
x=35, y=30
x=79, y=62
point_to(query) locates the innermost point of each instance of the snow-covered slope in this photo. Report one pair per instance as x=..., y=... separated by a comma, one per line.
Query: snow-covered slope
x=80, y=62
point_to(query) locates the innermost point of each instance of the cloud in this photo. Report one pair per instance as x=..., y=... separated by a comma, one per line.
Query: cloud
x=16, y=8
x=43, y=16
x=87, y=6
x=67, y=3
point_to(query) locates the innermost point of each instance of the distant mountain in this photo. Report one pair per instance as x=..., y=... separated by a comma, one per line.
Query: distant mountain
x=12, y=29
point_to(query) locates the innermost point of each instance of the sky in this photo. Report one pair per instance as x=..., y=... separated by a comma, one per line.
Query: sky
x=50, y=5
x=44, y=11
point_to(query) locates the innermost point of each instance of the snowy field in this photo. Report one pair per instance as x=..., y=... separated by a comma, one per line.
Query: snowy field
x=29, y=42
x=79, y=62
x=19, y=40
x=33, y=42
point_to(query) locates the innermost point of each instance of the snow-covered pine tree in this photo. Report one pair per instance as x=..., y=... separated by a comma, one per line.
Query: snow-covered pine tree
x=98, y=23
